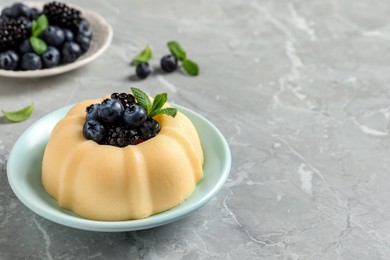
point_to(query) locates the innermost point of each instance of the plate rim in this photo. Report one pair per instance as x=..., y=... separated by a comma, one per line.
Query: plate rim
x=70, y=66
x=127, y=225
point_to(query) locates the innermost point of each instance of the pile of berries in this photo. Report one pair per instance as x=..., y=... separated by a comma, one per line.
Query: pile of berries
x=67, y=36
x=119, y=121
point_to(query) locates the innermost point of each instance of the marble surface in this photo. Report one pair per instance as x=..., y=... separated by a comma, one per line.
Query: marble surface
x=300, y=89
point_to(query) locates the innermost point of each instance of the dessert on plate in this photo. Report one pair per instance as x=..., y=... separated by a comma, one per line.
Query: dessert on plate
x=122, y=157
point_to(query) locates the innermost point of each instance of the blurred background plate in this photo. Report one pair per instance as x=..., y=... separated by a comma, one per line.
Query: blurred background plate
x=101, y=39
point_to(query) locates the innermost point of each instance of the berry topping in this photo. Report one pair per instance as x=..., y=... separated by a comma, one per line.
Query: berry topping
x=168, y=63
x=142, y=70
x=110, y=111
x=124, y=120
x=92, y=112
x=94, y=130
x=134, y=116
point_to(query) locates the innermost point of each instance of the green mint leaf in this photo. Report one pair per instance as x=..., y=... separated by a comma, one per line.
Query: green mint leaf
x=34, y=27
x=142, y=99
x=38, y=45
x=40, y=25
x=191, y=67
x=20, y=115
x=143, y=57
x=176, y=50
x=159, y=101
x=169, y=111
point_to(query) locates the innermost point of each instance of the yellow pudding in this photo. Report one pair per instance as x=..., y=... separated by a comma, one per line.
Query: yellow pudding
x=109, y=183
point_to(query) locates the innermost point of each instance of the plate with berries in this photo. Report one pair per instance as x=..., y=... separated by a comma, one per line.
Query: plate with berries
x=46, y=39
x=26, y=161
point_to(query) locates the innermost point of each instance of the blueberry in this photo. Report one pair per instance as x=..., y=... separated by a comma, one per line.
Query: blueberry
x=31, y=61
x=54, y=36
x=70, y=52
x=51, y=57
x=84, y=29
x=84, y=42
x=110, y=111
x=134, y=116
x=148, y=129
x=34, y=13
x=6, y=13
x=9, y=60
x=94, y=130
x=92, y=112
x=68, y=35
x=168, y=63
x=25, y=47
x=19, y=9
x=142, y=70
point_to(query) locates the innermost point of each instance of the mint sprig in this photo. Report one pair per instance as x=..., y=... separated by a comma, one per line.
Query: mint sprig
x=189, y=66
x=20, y=115
x=38, y=26
x=155, y=108
x=176, y=50
x=143, y=57
x=38, y=45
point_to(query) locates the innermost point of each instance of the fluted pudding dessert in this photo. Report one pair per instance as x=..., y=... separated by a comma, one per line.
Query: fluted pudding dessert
x=100, y=169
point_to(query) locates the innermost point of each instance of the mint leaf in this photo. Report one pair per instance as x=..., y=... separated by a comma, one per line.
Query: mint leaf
x=20, y=115
x=176, y=50
x=142, y=99
x=143, y=57
x=38, y=45
x=40, y=25
x=159, y=101
x=191, y=67
x=34, y=27
x=169, y=111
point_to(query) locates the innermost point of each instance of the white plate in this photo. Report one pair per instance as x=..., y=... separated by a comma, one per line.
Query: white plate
x=101, y=39
x=24, y=176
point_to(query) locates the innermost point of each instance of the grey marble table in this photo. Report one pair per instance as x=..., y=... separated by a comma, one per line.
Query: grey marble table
x=301, y=91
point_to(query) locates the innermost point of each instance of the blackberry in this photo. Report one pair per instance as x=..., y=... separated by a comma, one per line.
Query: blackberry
x=121, y=136
x=62, y=15
x=12, y=33
x=126, y=99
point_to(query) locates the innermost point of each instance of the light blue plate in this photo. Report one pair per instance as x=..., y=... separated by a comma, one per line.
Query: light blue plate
x=24, y=175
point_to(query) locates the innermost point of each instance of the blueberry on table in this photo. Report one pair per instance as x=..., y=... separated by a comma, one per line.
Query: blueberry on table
x=143, y=70
x=134, y=116
x=71, y=51
x=54, y=36
x=110, y=111
x=9, y=60
x=51, y=57
x=31, y=61
x=168, y=63
x=94, y=130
